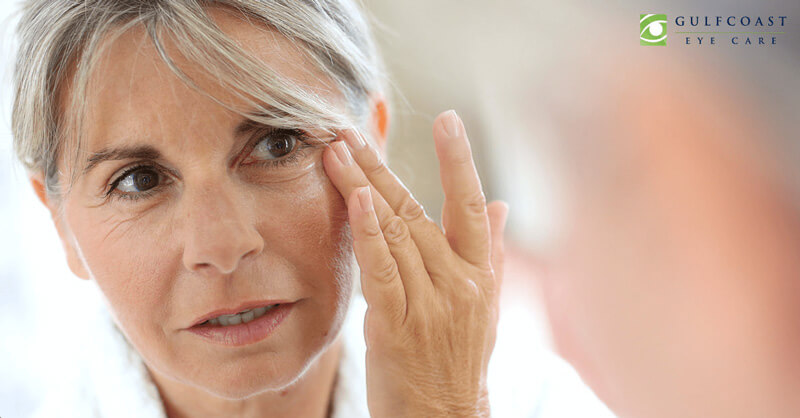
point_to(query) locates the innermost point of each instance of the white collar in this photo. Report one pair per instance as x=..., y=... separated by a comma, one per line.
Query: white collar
x=110, y=380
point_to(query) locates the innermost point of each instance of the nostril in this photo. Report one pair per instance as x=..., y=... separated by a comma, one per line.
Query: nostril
x=202, y=267
x=251, y=253
x=213, y=269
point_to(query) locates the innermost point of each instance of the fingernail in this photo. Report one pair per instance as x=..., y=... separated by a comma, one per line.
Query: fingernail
x=451, y=123
x=365, y=199
x=356, y=140
x=343, y=153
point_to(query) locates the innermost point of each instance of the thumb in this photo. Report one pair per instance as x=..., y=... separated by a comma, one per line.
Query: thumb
x=498, y=214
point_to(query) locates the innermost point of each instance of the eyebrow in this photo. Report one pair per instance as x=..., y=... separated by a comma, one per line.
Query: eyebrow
x=140, y=152
x=147, y=152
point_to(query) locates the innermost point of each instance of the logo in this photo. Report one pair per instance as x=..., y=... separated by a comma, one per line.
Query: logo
x=653, y=29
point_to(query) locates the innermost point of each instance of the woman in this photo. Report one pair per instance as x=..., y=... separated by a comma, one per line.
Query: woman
x=215, y=167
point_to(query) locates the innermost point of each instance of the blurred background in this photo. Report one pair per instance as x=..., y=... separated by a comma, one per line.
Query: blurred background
x=636, y=178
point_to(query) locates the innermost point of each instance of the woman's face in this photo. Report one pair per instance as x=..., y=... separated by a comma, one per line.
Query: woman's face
x=184, y=210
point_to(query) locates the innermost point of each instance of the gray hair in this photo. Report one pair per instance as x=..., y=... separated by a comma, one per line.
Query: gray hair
x=59, y=38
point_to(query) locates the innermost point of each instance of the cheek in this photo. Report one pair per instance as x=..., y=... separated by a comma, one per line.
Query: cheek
x=314, y=234
x=130, y=265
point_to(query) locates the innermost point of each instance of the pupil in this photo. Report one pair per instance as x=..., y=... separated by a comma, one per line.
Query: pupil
x=145, y=179
x=280, y=146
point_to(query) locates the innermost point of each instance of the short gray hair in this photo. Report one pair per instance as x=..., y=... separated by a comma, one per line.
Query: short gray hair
x=63, y=37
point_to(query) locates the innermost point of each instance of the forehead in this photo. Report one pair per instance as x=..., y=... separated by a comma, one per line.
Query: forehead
x=132, y=91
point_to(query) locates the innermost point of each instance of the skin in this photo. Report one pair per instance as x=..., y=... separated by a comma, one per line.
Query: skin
x=219, y=230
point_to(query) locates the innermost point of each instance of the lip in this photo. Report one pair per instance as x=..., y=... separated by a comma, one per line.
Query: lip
x=243, y=307
x=244, y=334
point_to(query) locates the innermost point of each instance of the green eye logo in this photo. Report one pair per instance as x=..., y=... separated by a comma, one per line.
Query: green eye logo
x=653, y=29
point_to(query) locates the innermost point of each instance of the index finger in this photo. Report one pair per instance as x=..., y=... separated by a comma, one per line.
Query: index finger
x=424, y=231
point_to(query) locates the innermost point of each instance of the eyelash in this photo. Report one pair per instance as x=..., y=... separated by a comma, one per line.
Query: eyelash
x=303, y=144
x=130, y=196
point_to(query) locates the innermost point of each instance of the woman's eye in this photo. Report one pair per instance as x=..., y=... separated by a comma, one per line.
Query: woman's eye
x=139, y=180
x=275, y=145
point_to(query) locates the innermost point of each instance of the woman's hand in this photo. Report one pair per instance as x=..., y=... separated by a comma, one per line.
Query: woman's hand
x=432, y=294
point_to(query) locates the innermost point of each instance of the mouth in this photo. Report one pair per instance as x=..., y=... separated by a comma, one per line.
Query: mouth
x=243, y=325
x=243, y=313
x=242, y=317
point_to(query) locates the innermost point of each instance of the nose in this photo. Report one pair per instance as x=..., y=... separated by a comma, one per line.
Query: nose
x=220, y=229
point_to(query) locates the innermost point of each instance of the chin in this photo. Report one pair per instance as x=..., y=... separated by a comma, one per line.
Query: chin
x=256, y=380
x=253, y=376
x=267, y=371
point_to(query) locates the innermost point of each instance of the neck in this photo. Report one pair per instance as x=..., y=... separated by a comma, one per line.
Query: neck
x=308, y=397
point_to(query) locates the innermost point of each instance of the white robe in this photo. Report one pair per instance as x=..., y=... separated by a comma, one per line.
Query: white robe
x=110, y=380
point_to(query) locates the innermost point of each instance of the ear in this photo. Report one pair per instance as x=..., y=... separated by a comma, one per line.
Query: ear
x=379, y=120
x=70, y=248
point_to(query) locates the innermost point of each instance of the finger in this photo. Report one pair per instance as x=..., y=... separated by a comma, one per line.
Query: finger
x=343, y=173
x=426, y=234
x=380, y=277
x=498, y=215
x=347, y=177
x=464, y=215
